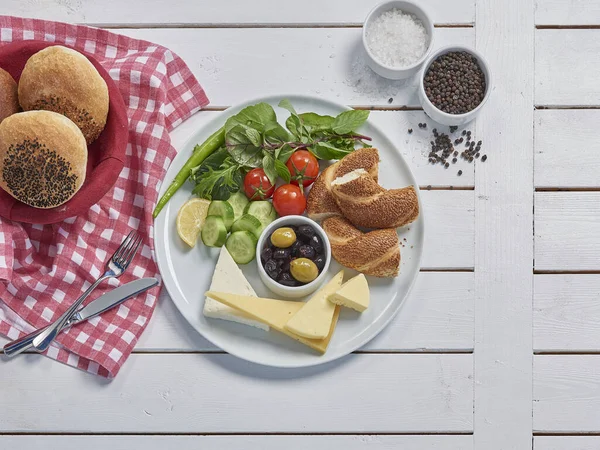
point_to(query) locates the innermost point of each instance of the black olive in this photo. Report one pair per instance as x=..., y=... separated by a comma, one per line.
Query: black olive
x=295, y=248
x=287, y=280
x=306, y=251
x=320, y=262
x=305, y=233
x=282, y=253
x=284, y=264
x=317, y=243
x=272, y=268
x=266, y=255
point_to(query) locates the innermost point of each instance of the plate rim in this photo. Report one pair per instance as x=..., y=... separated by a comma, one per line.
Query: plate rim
x=323, y=359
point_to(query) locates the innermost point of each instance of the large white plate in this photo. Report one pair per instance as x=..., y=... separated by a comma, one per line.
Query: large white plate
x=187, y=272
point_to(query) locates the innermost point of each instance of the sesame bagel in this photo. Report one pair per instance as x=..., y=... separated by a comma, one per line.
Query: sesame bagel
x=63, y=80
x=9, y=102
x=43, y=158
x=320, y=204
x=366, y=204
x=376, y=253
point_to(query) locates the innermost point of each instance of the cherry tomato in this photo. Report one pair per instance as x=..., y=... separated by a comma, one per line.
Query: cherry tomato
x=288, y=200
x=257, y=185
x=303, y=167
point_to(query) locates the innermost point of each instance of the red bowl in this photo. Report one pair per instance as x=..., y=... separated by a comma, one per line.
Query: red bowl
x=106, y=155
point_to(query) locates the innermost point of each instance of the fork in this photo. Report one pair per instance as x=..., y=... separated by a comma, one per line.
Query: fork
x=115, y=267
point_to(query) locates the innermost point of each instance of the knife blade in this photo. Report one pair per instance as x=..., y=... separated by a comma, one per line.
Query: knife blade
x=112, y=299
x=94, y=308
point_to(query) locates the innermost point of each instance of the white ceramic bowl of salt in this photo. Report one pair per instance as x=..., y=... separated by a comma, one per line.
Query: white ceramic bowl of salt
x=397, y=38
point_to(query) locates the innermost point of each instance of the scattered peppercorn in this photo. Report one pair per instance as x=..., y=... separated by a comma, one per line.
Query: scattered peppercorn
x=410, y=131
x=390, y=100
x=483, y=158
x=453, y=128
x=442, y=150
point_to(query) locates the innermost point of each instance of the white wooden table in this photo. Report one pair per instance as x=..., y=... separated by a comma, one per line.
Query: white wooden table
x=498, y=347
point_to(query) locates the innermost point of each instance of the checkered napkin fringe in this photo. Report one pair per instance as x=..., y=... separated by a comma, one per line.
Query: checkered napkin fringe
x=43, y=269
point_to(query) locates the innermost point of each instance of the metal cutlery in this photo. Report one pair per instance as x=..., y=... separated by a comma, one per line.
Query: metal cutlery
x=115, y=267
x=93, y=309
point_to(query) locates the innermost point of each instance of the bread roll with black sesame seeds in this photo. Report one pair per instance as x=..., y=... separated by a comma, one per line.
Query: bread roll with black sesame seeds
x=43, y=158
x=9, y=102
x=63, y=80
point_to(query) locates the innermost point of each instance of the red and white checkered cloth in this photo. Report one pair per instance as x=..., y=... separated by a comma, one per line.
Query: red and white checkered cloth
x=45, y=268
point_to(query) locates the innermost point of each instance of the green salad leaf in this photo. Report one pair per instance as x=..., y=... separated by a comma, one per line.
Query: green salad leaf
x=282, y=171
x=268, y=163
x=254, y=116
x=327, y=151
x=217, y=177
x=349, y=121
x=243, y=147
x=316, y=123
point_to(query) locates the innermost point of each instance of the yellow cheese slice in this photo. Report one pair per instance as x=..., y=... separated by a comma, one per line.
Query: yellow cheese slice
x=275, y=313
x=313, y=321
x=354, y=294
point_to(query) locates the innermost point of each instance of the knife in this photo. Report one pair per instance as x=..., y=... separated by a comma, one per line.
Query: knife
x=94, y=308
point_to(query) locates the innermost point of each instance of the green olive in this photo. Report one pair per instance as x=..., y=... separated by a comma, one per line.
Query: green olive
x=304, y=270
x=283, y=237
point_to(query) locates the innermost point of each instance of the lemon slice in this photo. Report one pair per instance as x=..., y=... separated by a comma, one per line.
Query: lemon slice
x=190, y=220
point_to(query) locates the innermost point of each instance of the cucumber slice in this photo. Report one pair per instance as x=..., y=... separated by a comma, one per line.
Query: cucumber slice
x=238, y=202
x=222, y=209
x=214, y=232
x=248, y=223
x=263, y=210
x=241, y=246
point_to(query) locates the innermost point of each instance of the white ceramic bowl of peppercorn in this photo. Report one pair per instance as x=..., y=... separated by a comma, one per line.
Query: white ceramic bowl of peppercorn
x=466, y=106
x=400, y=24
x=303, y=289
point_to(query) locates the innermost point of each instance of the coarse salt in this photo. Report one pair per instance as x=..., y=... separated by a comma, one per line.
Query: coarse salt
x=397, y=39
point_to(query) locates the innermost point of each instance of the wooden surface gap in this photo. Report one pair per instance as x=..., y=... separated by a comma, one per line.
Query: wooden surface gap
x=567, y=106
x=565, y=272
x=567, y=27
x=568, y=189
x=566, y=352
x=362, y=433
x=128, y=26
x=571, y=433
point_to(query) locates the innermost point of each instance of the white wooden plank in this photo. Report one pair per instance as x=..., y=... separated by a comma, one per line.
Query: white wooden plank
x=177, y=393
x=438, y=315
x=503, y=230
x=567, y=148
x=290, y=442
x=566, y=228
x=567, y=12
x=414, y=147
x=566, y=443
x=566, y=313
x=454, y=212
x=564, y=63
x=566, y=393
x=236, y=12
x=235, y=65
